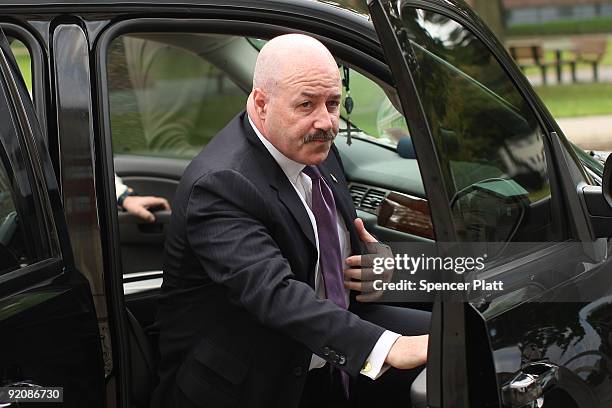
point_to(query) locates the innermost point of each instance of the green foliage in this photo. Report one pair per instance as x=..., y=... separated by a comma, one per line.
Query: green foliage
x=23, y=60
x=577, y=99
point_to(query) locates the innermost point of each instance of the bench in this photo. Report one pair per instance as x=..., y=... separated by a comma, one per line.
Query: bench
x=589, y=50
x=529, y=55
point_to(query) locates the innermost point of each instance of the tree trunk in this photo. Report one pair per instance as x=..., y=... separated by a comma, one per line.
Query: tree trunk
x=491, y=11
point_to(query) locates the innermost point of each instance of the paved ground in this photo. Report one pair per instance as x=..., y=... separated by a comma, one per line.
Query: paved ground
x=583, y=75
x=589, y=132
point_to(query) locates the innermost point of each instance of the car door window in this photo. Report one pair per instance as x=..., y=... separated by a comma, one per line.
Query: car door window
x=372, y=111
x=169, y=94
x=489, y=143
x=24, y=61
x=21, y=226
x=14, y=250
x=385, y=181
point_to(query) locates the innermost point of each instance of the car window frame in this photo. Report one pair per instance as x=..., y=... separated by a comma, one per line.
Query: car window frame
x=48, y=261
x=559, y=207
x=39, y=80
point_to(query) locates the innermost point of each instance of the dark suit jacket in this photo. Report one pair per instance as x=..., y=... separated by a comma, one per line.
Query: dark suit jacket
x=238, y=314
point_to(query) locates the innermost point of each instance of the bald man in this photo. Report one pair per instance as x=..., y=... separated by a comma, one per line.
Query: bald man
x=254, y=304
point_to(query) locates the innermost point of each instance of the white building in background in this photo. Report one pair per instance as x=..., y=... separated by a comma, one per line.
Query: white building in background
x=519, y=12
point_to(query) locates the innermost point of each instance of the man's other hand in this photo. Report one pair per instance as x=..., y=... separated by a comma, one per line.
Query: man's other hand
x=141, y=206
x=408, y=352
x=360, y=275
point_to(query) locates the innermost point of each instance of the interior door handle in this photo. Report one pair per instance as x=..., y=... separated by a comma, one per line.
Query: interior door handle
x=161, y=217
x=527, y=387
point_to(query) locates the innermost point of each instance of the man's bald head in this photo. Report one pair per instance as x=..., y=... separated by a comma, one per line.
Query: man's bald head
x=283, y=56
x=295, y=101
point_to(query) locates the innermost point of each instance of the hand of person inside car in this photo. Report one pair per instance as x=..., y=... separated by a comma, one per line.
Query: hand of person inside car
x=142, y=206
x=360, y=275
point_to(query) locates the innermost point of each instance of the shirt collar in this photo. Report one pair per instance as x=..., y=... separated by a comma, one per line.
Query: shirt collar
x=291, y=168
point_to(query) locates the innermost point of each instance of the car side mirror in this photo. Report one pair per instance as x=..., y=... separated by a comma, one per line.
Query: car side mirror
x=491, y=210
x=598, y=202
x=606, y=182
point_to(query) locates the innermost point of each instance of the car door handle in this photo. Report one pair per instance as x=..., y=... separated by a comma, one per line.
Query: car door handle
x=161, y=217
x=527, y=387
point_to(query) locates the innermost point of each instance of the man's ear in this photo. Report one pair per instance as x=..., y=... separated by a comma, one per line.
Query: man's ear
x=260, y=102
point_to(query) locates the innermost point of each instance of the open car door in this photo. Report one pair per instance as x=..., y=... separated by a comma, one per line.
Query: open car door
x=49, y=332
x=498, y=173
x=446, y=367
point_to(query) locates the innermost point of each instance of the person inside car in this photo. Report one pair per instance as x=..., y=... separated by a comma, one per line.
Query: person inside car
x=140, y=206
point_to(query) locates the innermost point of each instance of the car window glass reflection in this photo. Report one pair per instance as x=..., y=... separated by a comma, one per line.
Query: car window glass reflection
x=488, y=140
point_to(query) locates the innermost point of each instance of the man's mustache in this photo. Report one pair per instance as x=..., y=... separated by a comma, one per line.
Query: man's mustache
x=320, y=136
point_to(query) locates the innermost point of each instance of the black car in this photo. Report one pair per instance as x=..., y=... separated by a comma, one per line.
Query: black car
x=442, y=123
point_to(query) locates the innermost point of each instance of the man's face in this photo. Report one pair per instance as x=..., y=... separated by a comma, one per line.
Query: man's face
x=303, y=112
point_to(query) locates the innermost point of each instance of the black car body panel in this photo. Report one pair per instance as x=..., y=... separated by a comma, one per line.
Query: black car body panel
x=48, y=309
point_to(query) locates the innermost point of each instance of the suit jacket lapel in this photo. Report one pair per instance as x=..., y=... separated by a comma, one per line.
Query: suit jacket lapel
x=279, y=182
x=289, y=197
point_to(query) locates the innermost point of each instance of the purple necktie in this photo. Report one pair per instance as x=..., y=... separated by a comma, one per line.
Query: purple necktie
x=330, y=257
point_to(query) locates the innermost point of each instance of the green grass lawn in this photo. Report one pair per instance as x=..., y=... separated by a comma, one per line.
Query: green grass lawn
x=577, y=99
x=23, y=60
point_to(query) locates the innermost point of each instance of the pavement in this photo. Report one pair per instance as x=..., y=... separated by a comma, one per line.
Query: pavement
x=583, y=74
x=588, y=132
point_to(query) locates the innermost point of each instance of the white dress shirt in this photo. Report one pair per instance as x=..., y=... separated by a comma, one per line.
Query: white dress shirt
x=375, y=363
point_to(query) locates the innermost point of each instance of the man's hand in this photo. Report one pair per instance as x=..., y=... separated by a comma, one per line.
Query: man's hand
x=408, y=352
x=364, y=277
x=140, y=206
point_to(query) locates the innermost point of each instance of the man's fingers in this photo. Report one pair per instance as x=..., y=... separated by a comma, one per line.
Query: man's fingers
x=152, y=202
x=354, y=260
x=143, y=213
x=364, y=235
x=364, y=286
x=363, y=274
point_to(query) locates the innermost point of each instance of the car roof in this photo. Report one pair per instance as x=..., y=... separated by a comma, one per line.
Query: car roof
x=314, y=5
x=325, y=9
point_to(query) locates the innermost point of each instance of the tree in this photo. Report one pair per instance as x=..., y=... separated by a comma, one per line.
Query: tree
x=491, y=11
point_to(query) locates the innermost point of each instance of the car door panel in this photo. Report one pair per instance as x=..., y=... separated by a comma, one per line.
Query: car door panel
x=550, y=321
x=47, y=312
x=142, y=244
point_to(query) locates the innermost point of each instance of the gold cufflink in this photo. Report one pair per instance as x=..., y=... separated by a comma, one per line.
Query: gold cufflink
x=366, y=367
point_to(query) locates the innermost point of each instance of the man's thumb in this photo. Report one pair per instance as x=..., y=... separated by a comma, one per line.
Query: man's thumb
x=364, y=235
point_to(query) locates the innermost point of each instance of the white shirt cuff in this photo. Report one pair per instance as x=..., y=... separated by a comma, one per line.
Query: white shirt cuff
x=119, y=186
x=374, y=365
